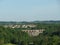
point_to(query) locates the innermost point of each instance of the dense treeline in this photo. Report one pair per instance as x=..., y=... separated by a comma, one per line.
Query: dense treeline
x=51, y=35
x=8, y=35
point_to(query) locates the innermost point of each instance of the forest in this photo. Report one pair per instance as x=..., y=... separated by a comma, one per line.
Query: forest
x=51, y=35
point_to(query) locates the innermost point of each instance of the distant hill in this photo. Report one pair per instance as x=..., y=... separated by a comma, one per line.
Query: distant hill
x=49, y=22
x=32, y=22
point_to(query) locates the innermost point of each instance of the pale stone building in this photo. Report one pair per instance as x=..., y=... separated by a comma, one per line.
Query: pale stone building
x=34, y=32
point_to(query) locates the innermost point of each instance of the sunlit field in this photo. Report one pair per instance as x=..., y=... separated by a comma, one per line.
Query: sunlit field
x=8, y=44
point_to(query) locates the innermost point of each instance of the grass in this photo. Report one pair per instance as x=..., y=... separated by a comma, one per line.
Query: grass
x=9, y=44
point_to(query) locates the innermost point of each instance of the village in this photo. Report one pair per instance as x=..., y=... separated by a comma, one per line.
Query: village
x=31, y=32
x=20, y=26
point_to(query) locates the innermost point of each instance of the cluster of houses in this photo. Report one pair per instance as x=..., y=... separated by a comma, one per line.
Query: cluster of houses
x=20, y=26
x=33, y=32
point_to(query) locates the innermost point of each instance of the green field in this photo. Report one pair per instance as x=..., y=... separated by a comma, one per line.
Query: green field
x=9, y=44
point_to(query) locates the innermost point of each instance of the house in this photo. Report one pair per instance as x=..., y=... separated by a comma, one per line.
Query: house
x=34, y=32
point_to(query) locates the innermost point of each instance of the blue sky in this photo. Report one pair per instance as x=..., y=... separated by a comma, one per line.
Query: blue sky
x=29, y=10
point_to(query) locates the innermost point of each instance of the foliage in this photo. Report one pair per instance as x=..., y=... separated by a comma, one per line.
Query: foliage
x=51, y=35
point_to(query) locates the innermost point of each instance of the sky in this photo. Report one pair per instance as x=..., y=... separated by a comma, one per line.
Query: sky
x=29, y=10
